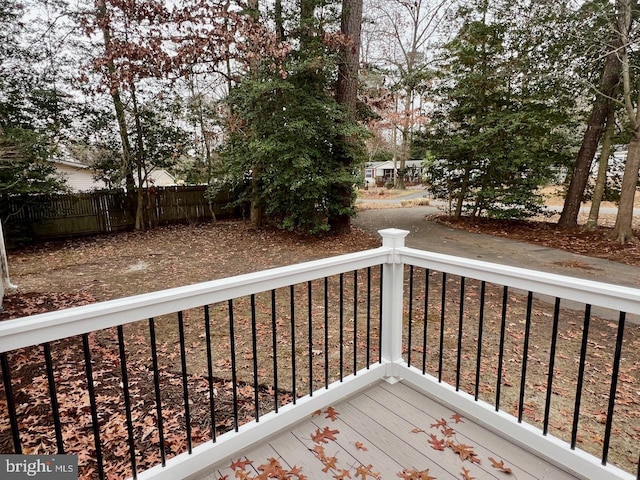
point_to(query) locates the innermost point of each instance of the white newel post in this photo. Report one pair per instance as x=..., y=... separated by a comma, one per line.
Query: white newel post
x=392, y=307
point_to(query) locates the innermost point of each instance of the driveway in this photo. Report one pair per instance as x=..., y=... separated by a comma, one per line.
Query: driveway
x=425, y=234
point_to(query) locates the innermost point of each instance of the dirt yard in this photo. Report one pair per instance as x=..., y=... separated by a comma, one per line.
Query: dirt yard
x=60, y=274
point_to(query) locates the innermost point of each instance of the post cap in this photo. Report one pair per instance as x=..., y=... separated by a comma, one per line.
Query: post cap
x=393, y=237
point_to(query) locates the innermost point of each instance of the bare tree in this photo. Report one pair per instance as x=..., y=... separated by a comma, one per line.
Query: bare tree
x=606, y=90
x=603, y=164
x=406, y=30
x=622, y=230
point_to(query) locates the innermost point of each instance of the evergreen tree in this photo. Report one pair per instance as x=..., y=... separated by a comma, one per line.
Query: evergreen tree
x=502, y=125
x=289, y=136
x=30, y=113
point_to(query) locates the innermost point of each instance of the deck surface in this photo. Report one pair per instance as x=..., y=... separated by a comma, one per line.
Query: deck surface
x=388, y=432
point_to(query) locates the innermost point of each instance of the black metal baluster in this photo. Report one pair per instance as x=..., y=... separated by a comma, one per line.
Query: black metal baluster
x=552, y=359
x=274, y=342
x=212, y=401
x=127, y=400
x=341, y=303
x=254, y=348
x=355, y=322
x=310, y=315
x=483, y=289
x=460, y=325
x=11, y=406
x=326, y=332
x=234, y=375
x=442, y=318
x=185, y=381
x=580, y=382
x=426, y=316
x=55, y=409
x=503, y=326
x=93, y=405
x=293, y=344
x=410, y=319
x=368, y=317
x=380, y=319
x=156, y=385
x=614, y=385
x=525, y=351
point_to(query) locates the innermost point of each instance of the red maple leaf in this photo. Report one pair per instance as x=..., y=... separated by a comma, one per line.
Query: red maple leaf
x=331, y=413
x=360, y=446
x=499, y=465
x=329, y=464
x=319, y=450
x=323, y=436
x=240, y=464
x=342, y=475
x=466, y=474
x=436, y=443
x=295, y=470
x=365, y=472
x=273, y=468
x=464, y=451
x=414, y=474
x=440, y=423
x=457, y=417
x=448, y=432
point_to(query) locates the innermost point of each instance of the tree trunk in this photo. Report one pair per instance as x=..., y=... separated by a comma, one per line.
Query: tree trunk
x=140, y=162
x=256, y=209
x=277, y=13
x=463, y=193
x=622, y=231
x=404, y=153
x=603, y=164
x=127, y=162
x=307, y=9
x=608, y=83
x=347, y=95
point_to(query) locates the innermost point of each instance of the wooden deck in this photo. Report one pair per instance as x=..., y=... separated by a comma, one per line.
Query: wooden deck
x=387, y=432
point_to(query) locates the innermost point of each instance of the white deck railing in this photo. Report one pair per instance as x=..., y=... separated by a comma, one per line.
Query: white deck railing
x=393, y=256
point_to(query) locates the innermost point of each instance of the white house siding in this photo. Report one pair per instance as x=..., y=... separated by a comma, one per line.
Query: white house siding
x=79, y=179
x=160, y=178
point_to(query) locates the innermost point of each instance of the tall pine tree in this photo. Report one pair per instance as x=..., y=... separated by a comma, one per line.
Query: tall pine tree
x=501, y=126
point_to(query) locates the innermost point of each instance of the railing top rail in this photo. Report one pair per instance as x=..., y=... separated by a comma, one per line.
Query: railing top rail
x=46, y=327
x=616, y=297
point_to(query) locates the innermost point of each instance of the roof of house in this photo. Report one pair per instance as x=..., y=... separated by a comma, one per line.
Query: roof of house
x=389, y=164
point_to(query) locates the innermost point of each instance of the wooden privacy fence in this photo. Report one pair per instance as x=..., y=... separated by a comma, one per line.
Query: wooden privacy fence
x=28, y=218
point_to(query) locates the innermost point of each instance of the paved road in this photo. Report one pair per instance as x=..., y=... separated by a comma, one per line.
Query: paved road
x=433, y=236
x=428, y=235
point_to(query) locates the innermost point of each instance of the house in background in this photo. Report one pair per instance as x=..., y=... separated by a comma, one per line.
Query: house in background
x=78, y=176
x=81, y=177
x=378, y=173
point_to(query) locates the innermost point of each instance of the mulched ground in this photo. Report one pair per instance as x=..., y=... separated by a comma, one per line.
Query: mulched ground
x=598, y=243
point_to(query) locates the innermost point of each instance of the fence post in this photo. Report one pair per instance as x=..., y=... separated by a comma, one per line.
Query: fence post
x=392, y=302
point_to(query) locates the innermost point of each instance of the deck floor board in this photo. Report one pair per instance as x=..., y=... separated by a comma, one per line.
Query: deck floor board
x=374, y=435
